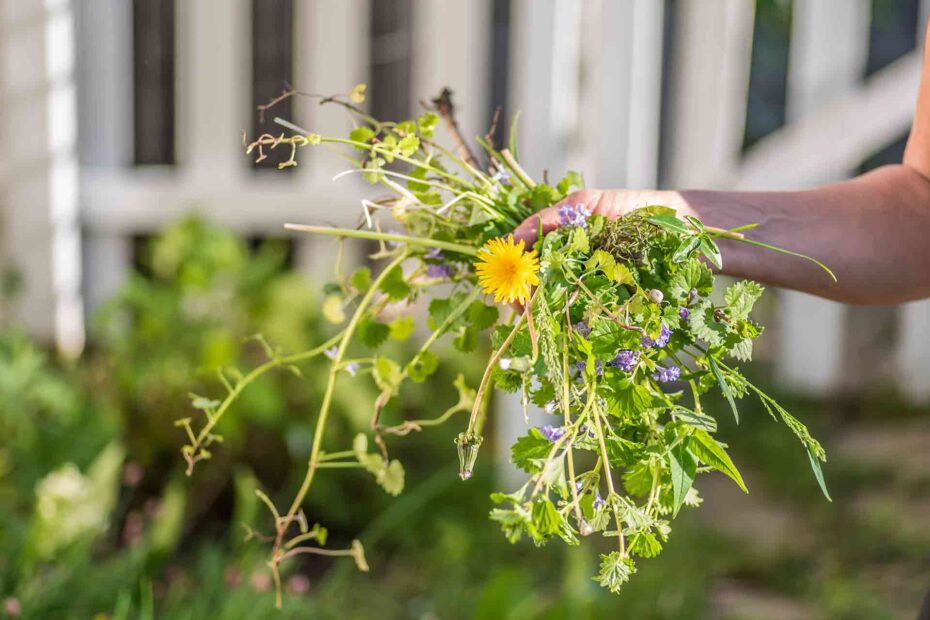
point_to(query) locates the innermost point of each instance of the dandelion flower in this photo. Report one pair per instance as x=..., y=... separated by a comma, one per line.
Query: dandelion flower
x=506, y=271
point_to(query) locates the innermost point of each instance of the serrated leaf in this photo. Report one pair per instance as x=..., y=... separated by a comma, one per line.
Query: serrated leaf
x=704, y=326
x=615, y=571
x=371, y=333
x=361, y=134
x=408, y=145
x=530, y=450
x=741, y=297
x=645, y=545
x=711, y=453
x=391, y=478
x=692, y=274
x=394, y=285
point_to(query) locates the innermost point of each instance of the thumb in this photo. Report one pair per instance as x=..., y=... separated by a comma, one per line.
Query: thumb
x=528, y=230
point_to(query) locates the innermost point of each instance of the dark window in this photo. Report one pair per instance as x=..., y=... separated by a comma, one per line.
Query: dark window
x=500, y=64
x=892, y=33
x=668, y=95
x=272, y=69
x=768, y=77
x=391, y=43
x=153, y=81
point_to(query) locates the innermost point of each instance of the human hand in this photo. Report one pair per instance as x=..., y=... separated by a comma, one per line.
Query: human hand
x=610, y=203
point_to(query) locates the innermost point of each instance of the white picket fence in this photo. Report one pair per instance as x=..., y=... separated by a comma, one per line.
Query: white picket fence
x=587, y=76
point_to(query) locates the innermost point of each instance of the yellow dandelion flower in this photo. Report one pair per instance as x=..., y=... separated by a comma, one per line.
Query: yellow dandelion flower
x=506, y=271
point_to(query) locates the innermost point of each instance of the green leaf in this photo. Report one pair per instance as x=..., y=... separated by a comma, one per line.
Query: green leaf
x=692, y=274
x=422, y=366
x=426, y=123
x=741, y=297
x=579, y=241
x=607, y=338
x=361, y=134
x=571, y=180
x=466, y=341
x=391, y=478
x=394, y=285
x=671, y=224
x=529, y=451
x=371, y=333
x=400, y=329
x=482, y=316
x=615, y=272
x=387, y=374
x=203, y=403
x=682, y=467
x=615, y=571
x=818, y=473
x=704, y=326
x=724, y=387
x=685, y=249
x=711, y=453
x=711, y=251
x=408, y=145
x=645, y=545
x=695, y=419
x=361, y=279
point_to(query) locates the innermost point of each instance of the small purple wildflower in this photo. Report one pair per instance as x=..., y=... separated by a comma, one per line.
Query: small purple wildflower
x=439, y=271
x=574, y=216
x=664, y=375
x=331, y=353
x=582, y=328
x=664, y=334
x=683, y=312
x=598, y=500
x=578, y=485
x=625, y=360
x=552, y=433
x=352, y=368
x=501, y=175
x=598, y=367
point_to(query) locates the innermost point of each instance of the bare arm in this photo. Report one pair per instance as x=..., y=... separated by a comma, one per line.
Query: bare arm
x=872, y=231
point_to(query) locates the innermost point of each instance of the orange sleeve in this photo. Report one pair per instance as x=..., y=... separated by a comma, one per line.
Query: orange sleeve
x=917, y=153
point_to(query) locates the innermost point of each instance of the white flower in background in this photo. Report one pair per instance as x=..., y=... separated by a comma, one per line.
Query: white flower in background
x=67, y=510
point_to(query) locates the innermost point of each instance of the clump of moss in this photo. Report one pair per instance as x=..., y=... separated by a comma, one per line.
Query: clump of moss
x=628, y=238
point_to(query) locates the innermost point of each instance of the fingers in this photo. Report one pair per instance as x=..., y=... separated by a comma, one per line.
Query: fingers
x=528, y=231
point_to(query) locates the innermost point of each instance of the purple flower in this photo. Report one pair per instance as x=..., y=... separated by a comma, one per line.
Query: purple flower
x=352, y=368
x=683, y=312
x=331, y=353
x=598, y=367
x=625, y=360
x=552, y=433
x=582, y=328
x=439, y=271
x=574, y=216
x=501, y=175
x=664, y=334
x=598, y=500
x=664, y=375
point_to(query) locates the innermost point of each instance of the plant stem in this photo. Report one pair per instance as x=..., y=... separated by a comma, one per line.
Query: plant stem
x=610, y=480
x=519, y=172
x=370, y=234
x=331, y=384
x=479, y=397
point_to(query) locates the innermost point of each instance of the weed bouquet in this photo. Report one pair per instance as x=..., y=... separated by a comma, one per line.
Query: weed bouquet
x=608, y=325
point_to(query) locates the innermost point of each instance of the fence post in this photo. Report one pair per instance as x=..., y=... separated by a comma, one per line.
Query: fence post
x=829, y=44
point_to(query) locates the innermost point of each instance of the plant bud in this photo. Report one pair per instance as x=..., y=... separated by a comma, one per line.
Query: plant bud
x=655, y=296
x=467, y=445
x=692, y=295
x=585, y=528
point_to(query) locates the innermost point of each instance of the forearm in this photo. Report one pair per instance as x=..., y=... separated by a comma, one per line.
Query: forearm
x=872, y=231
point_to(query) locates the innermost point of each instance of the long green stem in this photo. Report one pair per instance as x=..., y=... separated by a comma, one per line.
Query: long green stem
x=380, y=236
x=331, y=384
x=495, y=358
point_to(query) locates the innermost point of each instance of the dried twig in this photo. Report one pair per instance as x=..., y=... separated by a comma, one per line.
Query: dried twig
x=444, y=107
